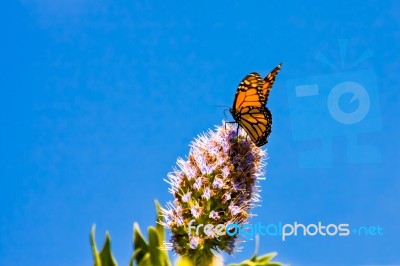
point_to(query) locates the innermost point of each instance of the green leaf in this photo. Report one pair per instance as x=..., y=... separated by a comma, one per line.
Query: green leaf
x=154, y=245
x=146, y=261
x=95, y=252
x=161, y=235
x=139, y=243
x=267, y=257
x=105, y=257
x=159, y=228
x=152, y=252
x=132, y=260
x=264, y=260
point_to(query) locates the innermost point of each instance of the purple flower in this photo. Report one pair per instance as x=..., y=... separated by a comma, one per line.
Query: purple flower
x=234, y=210
x=225, y=171
x=217, y=182
x=214, y=215
x=197, y=184
x=186, y=197
x=194, y=242
x=206, y=194
x=226, y=197
x=195, y=210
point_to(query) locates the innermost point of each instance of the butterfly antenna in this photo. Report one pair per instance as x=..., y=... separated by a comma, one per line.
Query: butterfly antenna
x=221, y=106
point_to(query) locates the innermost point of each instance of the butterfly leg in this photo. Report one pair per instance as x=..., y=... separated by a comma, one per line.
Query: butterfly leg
x=228, y=123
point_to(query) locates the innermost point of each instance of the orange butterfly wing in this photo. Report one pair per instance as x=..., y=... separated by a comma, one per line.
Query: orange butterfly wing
x=257, y=122
x=249, y=92
x=269, y=81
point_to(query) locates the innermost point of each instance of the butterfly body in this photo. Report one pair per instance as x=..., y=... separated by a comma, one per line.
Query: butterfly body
x=249, y=106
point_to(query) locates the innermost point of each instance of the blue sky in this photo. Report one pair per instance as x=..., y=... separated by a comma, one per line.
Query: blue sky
x=99, y=98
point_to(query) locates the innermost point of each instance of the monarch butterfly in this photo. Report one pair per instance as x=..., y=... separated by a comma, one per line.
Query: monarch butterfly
x=249, y=106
